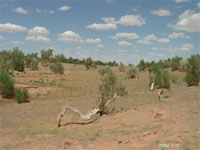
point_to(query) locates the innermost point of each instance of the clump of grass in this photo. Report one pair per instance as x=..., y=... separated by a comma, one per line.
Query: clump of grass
x=21, y=95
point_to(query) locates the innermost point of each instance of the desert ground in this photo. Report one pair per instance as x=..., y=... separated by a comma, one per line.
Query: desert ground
x=140, y=122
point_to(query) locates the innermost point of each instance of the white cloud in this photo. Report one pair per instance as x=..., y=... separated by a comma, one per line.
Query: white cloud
x=38, y=10
x=38, y=39
x=163, y=40
x=107, y=26
x=1, y=38
x=11, y=28
x=134, y=9
x=69, y=36
x=161, y=12
x=16, y=42
x=64, y=8
x=143, y=42
x=175, y=35
x=93, y=41
x=156, y=55
x=188, y=21
x=112, y=37
x=186, y=47
x=110, y=20
x=38, y=31
x=45, y=11
x=20, y=10
x=78, y=47
x=99, y=46
x=131, y=20
x=154, y=48
x=124, y=43
x=179, y=1
x=120, y=51
x=198, y=4
x=127, y=35
x=150, y=37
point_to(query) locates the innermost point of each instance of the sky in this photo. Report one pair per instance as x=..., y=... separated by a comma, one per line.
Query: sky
x=122, y=30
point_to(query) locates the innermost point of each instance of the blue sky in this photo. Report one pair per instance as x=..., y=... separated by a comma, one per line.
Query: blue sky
x=107, y=30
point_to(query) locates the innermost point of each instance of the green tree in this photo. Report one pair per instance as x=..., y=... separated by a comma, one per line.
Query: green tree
x=141, y=66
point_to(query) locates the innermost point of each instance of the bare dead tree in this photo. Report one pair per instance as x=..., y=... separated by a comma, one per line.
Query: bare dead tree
x=84, y=117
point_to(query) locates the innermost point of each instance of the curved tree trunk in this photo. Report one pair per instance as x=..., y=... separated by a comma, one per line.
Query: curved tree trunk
x=83, y=117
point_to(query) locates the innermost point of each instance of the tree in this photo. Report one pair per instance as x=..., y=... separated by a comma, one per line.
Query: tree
x=175, y=63
x=17, y=60
x=141, y=66
x=109, y=90
x=193, y=70
x=46, y=56
x=88, y=63
x=121, y=67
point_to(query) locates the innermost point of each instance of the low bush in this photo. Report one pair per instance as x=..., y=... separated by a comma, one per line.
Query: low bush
x=161, y=78
x=21, y=95
x=34, y=64
x=108, y=88
x=6, y=85
x=121, y=67
x=17, y=60
x=132, y=73
x=193, y=70
x=57, y=68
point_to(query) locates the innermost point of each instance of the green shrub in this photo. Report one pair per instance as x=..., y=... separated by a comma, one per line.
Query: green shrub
x=161, y=78
x=57, y=68
x=6, y=85
x=193, y=70
x=21, y=95
x=191, y=80
x=132, y=73
x=88, y=63
x=34, y=64
x=17, y=60
x=108, y=88
x=141, y=66
x=175, y=63
x=28, y=60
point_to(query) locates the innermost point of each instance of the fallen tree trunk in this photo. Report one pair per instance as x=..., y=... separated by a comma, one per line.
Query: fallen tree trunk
x=83, y=117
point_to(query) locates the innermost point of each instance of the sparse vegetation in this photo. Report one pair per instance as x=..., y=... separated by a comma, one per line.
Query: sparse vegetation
x=121, y=67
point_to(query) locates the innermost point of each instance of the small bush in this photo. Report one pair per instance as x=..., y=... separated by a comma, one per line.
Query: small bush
x=108, y=88
x=193, y=70
x=6, y=85
x=17, y=60
x=88, y=63
x=141, y=66
x=175, y=63
x=121, y=67
x=132, y=73
x=21, y=95
x=28, y=60
x=34, y=64
x=57, y=68
x=159, y=77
